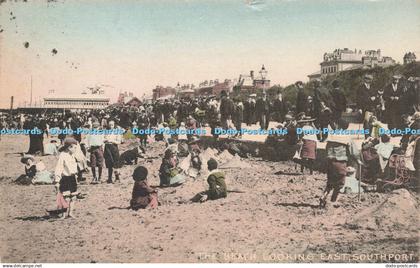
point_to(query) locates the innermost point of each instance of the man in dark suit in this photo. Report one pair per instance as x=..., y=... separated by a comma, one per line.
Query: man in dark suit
x=247, y=111
x=366, y=101
x=339, y=101
x=393, y=95
x=301, y=99
x=321, y=111
x=226, y=109
x=410, y=97
x=279, y=108
x=263, y=111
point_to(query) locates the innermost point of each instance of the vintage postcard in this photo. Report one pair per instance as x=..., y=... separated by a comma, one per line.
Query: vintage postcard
x=209, y=131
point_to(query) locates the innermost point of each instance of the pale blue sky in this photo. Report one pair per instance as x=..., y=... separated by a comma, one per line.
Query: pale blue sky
x=134, y=45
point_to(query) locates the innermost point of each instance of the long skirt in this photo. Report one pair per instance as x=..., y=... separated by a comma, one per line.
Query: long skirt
x=36, y=144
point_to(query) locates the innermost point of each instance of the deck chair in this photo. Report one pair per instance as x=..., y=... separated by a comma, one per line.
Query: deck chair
x=399, y=175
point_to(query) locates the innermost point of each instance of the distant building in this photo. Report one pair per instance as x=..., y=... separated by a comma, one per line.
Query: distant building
x=76, y=102
x=409, y=58
x=186, y=93
x=227, y=86
x=127, y=98
x=134, y=102
x=253, y=84
x=161, y=92
x=261, y=82
x=213, y=87
x=123, y=98
x=345, y=59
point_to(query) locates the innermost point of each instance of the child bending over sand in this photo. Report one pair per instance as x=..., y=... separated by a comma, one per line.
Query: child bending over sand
x=217, y=185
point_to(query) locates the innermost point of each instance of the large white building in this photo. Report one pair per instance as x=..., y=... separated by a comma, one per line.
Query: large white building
x=345, y=59
x=77, y=102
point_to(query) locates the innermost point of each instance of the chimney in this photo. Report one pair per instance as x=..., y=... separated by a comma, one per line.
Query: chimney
x=251, y=73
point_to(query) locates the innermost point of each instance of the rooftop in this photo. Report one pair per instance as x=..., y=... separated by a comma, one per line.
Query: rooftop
x=77, y=97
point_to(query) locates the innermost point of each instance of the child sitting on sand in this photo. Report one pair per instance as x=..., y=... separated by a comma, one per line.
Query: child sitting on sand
x=217, y=184
x=143, y=195
x=169, y=173
x=51, y=148
x=384, y=150
x=35, y=172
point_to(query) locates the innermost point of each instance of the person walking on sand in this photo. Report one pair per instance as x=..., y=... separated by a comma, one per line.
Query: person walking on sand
x=111, y=153
x=65, y=174
x=95, y=143
x=340, y=148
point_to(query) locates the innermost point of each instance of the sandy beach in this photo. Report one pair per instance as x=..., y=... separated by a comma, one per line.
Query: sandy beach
x=277, y=219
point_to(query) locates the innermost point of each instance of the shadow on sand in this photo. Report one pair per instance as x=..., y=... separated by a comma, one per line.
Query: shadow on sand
x=287, y=173
x=36, y=218
x=296, y=205
x=111, y=208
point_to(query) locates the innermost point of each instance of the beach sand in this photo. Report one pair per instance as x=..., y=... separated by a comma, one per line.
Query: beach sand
x=275, y=220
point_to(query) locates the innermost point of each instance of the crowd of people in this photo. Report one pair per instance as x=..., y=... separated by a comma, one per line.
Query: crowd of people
x=397, y=105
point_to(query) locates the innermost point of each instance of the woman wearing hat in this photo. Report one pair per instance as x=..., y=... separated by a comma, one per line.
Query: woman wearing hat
x=65, y=174
x=36, y=172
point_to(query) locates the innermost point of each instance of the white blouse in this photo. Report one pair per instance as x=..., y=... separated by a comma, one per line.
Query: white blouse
x=66, y=166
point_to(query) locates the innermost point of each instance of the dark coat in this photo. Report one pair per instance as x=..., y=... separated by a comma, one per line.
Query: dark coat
x=363, y=98
x=301, y=101
x=317, y=99
x=226, y=108
x=249, y=111
x=262, y=107
x=339, y=101
x=238, y=117
x=393, y=104
x=279, y=108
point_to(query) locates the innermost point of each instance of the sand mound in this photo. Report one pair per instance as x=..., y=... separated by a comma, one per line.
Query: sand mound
x=397, y=211
x=234, y=162
x=207, y=154
x=224, y=157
